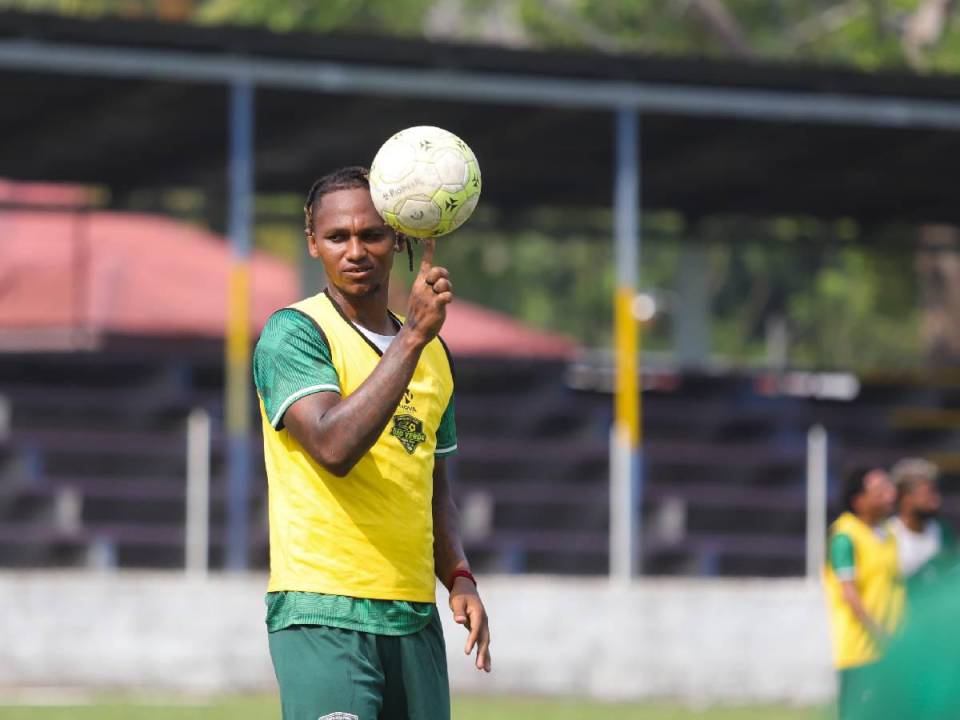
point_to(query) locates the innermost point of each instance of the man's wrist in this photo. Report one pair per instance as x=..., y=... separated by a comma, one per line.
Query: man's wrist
x=461, y=573
x=411, y=340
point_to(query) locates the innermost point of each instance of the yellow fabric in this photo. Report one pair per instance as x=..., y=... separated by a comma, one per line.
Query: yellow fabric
x=881, y=591
x=369, y=534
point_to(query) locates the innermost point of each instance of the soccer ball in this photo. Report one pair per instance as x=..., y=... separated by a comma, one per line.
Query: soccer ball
x=425, y=181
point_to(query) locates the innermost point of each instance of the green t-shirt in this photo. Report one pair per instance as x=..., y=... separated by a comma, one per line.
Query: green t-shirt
x=946, y=562
x=291, y=361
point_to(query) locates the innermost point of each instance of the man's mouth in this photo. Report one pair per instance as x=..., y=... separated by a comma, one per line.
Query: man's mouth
x=358, y=273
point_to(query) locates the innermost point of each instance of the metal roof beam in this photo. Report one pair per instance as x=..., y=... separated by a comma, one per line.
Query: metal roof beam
x=782, y=106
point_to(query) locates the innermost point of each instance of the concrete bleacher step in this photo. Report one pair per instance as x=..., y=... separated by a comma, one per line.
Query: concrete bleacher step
x=537, y=494
x=106, y=452
x=935, y=420
x=724, y=481
x=113, y=441
x=52, y=402
x=551, y=415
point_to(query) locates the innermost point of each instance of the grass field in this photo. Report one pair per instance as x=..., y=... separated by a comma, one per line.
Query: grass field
x=464, y=708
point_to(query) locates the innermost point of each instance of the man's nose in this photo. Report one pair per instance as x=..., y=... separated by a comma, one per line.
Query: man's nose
x=355, y=249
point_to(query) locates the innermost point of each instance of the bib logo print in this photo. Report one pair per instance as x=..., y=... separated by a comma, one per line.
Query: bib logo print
x=409, y=431
x=339, y=716
x=406, y=402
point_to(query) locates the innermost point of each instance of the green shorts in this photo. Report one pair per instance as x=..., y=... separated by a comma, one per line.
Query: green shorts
x=326, y=673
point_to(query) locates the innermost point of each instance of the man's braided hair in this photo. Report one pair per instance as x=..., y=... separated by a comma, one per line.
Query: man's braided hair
x=346, y=178
x=854, y=484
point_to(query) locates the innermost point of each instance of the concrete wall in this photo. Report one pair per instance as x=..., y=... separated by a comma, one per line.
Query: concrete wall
x=701, y=641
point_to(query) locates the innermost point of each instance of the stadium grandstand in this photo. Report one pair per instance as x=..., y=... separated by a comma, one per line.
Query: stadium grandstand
x=112, y=323
x=111, y=328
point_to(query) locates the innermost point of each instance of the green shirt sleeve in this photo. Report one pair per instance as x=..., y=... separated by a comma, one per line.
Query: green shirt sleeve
x=447, y=432
x=841, y=556
x=291, y=360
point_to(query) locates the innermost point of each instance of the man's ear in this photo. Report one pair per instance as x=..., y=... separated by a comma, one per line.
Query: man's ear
x=312, y=244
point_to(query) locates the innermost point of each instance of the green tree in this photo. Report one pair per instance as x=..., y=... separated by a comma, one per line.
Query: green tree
x=400, y=17
x=844, y=304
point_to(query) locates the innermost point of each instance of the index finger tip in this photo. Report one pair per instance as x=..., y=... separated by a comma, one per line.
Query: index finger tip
x=429, y=245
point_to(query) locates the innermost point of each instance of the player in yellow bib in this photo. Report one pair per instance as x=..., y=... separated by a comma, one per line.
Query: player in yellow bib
x=357, y=407
x=864, y=591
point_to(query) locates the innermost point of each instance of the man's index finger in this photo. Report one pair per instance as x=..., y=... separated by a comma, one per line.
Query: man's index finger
x=426, y=262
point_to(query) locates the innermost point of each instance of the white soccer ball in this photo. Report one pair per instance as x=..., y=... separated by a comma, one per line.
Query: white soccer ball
x=425, y=181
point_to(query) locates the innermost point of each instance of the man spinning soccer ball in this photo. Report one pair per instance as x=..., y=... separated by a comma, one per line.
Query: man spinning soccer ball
x=358, y=420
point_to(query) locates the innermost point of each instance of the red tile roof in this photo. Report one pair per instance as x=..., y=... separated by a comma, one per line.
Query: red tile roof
x=135, y=274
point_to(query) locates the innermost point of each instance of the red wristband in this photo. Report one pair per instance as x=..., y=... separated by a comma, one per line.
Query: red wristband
x=462, y=573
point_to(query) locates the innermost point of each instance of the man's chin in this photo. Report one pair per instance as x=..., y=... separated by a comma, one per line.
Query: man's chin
x=360, y=290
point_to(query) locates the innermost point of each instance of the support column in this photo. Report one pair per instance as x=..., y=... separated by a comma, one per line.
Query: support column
x=197, y=526
x=238, y=379
x=691, y=316
x=625, y=448
x=816, y=501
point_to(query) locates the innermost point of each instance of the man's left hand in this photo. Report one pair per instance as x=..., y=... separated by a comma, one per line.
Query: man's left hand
x=468, y=611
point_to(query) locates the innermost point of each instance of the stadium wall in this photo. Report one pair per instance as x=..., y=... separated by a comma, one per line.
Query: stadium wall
x=696, y=640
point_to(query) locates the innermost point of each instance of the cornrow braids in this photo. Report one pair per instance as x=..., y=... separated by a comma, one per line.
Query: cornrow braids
x=408, y=241
x=854, y=484
x=346, y=178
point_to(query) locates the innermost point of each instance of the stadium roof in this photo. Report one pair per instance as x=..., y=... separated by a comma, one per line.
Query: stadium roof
x=135, y=105
x=71, y=278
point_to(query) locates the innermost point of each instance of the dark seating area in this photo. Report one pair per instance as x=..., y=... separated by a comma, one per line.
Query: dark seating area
x=92, y=463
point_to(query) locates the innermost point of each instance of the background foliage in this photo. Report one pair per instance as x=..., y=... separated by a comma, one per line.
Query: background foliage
x=845, y=299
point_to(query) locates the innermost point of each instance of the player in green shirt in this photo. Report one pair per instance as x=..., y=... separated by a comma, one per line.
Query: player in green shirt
x=352, y=631
x=292, y=359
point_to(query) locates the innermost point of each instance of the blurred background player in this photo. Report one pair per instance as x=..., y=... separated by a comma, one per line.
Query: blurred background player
x=925, y=543
x=357, y=411
x=863, y=588
x=919, y=676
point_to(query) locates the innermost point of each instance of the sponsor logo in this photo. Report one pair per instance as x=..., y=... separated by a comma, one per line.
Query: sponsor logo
x=406, y=403
x=409, y=431
x=339, y=716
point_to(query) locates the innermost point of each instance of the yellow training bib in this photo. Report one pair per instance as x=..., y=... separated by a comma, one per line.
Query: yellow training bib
x=369, y=534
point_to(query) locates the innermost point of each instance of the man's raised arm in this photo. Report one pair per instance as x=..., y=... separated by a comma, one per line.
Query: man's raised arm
x=338, y=431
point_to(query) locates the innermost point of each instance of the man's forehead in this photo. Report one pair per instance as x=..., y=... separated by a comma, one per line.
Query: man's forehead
x=345, y=198
x=345, y=206
x=876, y=477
